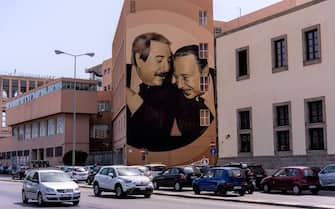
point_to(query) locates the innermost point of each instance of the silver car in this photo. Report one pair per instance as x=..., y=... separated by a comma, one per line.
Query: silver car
x=327, y=176
x=49, y=185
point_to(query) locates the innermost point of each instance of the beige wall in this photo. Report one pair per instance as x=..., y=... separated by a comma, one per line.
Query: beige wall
x=265, y=88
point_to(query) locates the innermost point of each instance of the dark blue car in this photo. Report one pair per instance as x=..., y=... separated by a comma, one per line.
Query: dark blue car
x=220, y=180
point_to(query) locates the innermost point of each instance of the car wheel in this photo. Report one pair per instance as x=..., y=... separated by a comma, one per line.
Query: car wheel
x=118, y=191
x=75, y=203
x=221, y=191
x=147, y=195
x=96, y=189
x=40, y=201
x=241, y=192
x=196, y=189
x=266, y=188
x=156, y=186
x=177, y=186
x=24, y=198
x=296, y=190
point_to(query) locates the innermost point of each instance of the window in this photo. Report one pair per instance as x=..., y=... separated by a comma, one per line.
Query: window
x=60, y=125
x=103, y=106
x=203, y=50
x=27, y=131
x=43, y=128
x=15, y=88
x=311, y=38
x=51, y=127
x=217, y=31
x=279, y=54
x=5, y=88
x=242, y=63
x=204, y=83
x=21, y=132
x=100, y=131
x=31, y=85
x=315, y=120
x=23, y=86
x=282, y=127
x=58, y=151
x=205, y=117
x=35, y=130
x=132, y=6
x=244, y=130
x=15, y=131
x=39, y=83
x=50, y=152
x=3, y=119
x=202, y=17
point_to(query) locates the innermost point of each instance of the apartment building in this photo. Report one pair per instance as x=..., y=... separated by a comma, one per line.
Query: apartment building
x=180, y=24
x=275, y=86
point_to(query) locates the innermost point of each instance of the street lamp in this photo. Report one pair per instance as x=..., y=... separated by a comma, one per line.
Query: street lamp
x=74, y=99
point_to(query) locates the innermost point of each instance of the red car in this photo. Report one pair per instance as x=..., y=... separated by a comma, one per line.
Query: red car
x=293, y=178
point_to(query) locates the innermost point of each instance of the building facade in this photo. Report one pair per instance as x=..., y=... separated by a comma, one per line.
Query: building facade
x=180, y=24
x=41, y=122
x=275, y=98
x=12, y=86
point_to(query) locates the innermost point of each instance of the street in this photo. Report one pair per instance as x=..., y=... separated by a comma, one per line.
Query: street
x=11, y=198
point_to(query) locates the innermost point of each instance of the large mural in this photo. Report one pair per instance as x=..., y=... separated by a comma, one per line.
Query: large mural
x=169, y=94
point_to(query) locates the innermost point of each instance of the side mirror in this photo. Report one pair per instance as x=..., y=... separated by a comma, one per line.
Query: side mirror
x=111, y=175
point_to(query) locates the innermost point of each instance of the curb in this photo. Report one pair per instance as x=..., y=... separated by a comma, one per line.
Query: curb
x=243, y=201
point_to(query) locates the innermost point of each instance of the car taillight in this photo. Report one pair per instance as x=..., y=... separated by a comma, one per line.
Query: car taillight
x=74, y=173
x=148, y=173
x=182, y=177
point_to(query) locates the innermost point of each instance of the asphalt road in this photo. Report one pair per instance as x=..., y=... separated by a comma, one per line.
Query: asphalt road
x=10, y=197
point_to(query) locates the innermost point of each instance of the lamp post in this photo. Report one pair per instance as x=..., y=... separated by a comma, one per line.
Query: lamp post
x=74, y=100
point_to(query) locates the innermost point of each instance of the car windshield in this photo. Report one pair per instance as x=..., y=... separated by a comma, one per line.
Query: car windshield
x=54, y=177
x=157, y=168
x=128, y=172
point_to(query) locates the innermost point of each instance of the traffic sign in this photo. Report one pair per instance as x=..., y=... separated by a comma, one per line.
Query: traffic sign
x=213, y=151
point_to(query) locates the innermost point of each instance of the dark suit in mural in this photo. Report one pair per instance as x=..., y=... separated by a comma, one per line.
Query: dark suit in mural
x=157, y=106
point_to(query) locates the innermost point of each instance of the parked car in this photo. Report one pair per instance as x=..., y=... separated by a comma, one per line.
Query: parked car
x=144, y=170
x=77, y=173
x=49, y=185
x=177, y=177
x=254, y=172
x=220, y=180
x=92, y=171
x=327, y=176
x=295, y=178
x=155, y=168
x=123, y=180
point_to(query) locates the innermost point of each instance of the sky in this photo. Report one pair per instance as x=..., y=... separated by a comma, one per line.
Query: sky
x=31, y=30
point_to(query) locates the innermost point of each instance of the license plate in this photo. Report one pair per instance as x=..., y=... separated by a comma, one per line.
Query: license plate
x=66, y=195
x=259, y=175
x=237, y=187
x=312, y=187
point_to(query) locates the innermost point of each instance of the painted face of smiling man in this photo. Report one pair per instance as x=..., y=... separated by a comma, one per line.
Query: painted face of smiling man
x=155, y=68
x=187, y=75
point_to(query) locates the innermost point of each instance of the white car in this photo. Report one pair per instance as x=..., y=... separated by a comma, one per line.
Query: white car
x=155, y=168
x=49, y=185
x=77, y=173
x=123, y=180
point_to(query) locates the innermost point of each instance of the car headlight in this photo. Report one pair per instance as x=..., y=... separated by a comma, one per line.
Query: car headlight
x=77, y=189
x=49, y=190
x=127, y=181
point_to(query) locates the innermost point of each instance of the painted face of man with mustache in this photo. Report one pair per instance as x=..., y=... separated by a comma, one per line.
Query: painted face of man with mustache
x=155, y=68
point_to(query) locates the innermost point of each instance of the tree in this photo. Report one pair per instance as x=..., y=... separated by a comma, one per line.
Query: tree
x=80, y=157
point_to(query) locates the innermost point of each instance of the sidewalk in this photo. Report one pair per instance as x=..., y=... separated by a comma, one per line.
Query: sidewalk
x=324, y=200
